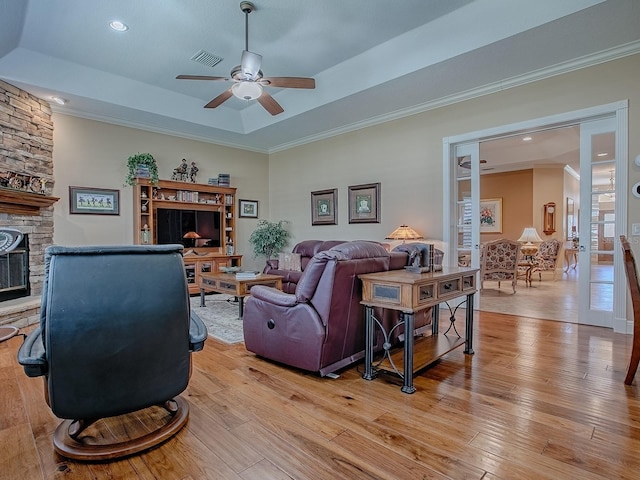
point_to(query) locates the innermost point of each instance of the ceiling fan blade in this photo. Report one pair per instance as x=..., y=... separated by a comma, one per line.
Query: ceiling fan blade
x=250, y=64
x=223, y=97
x=269, y=103
x=200, y=77
x=289, y=82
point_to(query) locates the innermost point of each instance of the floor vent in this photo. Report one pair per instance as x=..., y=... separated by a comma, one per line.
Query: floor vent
x=206, y=58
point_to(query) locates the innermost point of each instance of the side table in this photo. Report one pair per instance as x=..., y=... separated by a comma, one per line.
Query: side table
x=409, y=293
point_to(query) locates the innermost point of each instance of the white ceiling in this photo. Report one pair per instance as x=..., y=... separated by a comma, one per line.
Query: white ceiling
x=373, y=60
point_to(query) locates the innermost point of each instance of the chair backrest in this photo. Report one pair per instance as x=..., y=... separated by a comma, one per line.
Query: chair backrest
x=500, y=257
x=115, y=323
x=549, y=250
x=634, y=287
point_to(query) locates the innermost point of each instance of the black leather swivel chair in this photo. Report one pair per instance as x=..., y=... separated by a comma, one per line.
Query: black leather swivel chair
x=115, y=337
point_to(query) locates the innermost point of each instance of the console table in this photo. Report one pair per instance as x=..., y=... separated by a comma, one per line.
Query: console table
x=409, y=293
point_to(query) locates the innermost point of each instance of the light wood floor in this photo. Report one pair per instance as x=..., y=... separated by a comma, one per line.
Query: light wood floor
x=539, y=400
x=547, y=299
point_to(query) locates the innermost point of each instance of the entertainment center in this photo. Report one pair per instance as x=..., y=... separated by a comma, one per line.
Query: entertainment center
x=200, y=217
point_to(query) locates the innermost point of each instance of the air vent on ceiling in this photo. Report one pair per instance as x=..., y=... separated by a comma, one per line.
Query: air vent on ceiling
x=206, y=58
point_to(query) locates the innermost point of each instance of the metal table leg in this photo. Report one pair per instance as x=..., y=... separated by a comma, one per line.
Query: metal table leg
x=369, y=373
x=407, y=386
x=468, y=341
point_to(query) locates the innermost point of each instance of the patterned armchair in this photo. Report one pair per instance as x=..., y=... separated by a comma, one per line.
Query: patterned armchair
x=547, y=257
x=499, y=262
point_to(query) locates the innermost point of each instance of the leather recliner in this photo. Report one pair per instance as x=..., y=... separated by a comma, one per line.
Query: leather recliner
x=115, y=336
x=320, y=327
x=306, y=249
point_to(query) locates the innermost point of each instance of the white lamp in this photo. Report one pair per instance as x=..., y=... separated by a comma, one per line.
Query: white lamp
x=246, y=90
x=529, y=235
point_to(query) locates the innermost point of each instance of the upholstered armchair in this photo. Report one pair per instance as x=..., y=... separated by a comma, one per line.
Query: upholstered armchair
x=499, y=262
x=547, y=257
x=320, y=327
x=115, y=337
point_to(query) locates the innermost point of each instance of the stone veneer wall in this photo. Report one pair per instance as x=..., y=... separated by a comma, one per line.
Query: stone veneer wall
x=26, y=145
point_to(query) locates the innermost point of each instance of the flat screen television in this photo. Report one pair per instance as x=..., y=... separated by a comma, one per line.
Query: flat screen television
x=172, y=224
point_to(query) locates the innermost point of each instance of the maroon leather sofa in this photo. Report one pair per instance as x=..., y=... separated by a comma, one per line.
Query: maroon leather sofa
x=306, y=249
x=319, y=327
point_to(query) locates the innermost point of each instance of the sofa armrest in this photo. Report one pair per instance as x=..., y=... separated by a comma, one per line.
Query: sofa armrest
x=273, y=295
x=32, y=355
x=271, y=264
x=197, y=333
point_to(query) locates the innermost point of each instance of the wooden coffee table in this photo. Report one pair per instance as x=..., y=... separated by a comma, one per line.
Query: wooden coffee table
x=228, y=283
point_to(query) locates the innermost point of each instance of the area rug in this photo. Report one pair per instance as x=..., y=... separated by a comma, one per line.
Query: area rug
x=220, y=315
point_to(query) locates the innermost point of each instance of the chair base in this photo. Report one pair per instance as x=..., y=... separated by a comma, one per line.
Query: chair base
x=7, y=332
x=69, y=442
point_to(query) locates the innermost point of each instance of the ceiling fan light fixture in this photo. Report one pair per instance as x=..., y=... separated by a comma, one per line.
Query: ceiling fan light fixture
x=246, y=90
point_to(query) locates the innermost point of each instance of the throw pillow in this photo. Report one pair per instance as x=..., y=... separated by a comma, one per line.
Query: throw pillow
x=289, y=261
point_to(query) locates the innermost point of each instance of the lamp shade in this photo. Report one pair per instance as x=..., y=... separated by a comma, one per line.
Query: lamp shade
x=247, y=90
x=192, y=235
x=530, y=235
x=404, y=232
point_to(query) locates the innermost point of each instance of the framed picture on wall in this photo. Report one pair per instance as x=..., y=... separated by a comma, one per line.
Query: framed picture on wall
x=324, y=205
x=364, y=203
x=97, y=201
x=248, y=208
x=491, y=215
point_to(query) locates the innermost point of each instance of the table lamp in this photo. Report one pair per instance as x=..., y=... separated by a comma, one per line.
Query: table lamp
x=191, y=236
x=404, y=233
x=529, y=235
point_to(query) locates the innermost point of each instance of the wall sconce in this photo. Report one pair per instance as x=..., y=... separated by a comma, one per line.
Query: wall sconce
x=549, y=218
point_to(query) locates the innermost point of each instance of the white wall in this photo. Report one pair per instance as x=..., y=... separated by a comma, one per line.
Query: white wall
x=406, y=155
x=94, y=154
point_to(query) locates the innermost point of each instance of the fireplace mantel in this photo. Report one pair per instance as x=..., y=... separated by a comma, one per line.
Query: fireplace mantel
x=17, y=202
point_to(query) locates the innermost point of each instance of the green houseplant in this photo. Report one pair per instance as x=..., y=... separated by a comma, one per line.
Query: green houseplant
x=145, y=159
x=269, y=238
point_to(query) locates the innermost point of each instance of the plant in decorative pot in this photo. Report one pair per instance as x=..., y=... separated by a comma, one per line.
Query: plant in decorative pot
x=269, y=238
x=147, y=162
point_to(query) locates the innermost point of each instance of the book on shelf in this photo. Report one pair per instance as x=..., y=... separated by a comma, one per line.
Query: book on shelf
x=249, y=275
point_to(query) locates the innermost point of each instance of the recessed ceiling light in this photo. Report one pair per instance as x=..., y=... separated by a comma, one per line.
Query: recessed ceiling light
x=59, y=100
x=527, y=139
x=603, y=154
x=118, y=26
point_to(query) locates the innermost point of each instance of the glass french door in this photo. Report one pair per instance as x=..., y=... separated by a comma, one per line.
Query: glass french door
x=597, y=224
x=466, y=185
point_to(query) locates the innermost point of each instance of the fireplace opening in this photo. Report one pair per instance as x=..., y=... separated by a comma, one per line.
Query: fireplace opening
x=14, y=272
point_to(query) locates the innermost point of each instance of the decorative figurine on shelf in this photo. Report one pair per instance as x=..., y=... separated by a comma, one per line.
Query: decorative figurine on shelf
x=145, y=234
x=181, y=172
x=154, y=193
x=193, y=172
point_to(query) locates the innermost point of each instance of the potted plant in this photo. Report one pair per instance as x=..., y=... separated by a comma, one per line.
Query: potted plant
x=269, y=238
x=143, y=159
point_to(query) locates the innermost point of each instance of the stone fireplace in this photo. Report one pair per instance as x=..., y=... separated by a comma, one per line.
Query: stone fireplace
x=26, y=146
x=14, y=272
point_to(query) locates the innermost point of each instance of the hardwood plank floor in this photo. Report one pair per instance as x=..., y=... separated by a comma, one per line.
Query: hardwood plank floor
x=539, y=400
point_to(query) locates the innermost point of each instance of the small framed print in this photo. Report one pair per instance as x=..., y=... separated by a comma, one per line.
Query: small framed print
x=97, y=201
x=364, y=203
x=324, y=204
x=491, y=215
x=248, y=208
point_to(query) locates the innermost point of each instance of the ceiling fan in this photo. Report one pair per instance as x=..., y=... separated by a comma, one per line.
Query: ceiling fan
x=465, y=162
x=248, y=79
